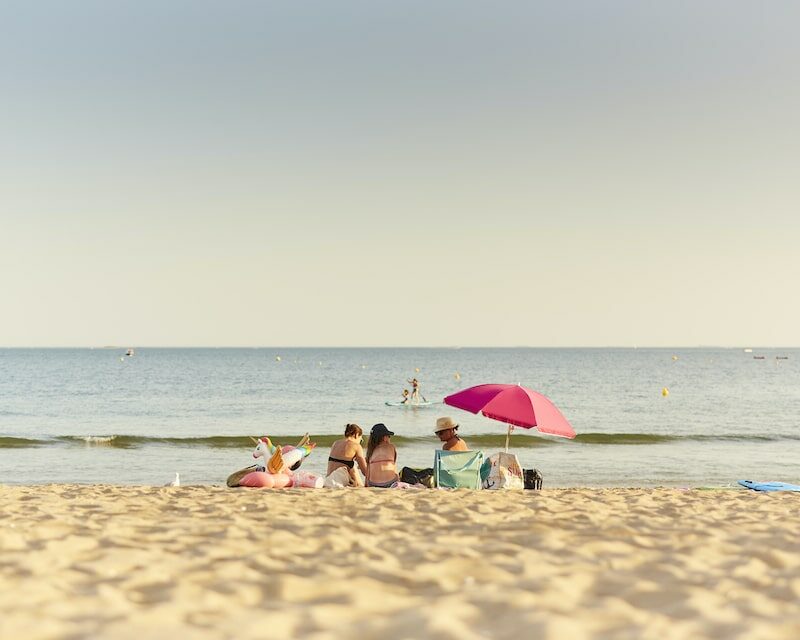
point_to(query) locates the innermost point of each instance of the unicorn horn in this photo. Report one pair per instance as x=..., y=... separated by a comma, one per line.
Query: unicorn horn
x=253, y=439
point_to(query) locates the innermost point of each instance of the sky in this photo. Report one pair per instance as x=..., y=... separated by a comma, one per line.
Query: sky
x=450, y=173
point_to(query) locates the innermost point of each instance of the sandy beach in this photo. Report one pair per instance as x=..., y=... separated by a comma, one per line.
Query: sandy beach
x=208, y=562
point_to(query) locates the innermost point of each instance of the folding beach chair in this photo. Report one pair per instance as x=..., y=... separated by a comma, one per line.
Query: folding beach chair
x=458, y=469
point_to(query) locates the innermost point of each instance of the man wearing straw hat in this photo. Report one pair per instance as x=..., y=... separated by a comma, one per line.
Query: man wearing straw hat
x=446, y=429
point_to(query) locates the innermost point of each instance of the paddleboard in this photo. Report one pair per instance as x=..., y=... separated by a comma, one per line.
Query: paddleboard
x=410, y=404
x=769, y=486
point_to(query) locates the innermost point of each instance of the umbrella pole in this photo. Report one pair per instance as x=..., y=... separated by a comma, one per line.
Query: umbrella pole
x=508, y=435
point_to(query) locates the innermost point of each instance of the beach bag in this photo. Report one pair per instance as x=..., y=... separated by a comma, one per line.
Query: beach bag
x=504, y=472
x=339, y=478
x=458, y=469
x=417, y=476
x=533, y=478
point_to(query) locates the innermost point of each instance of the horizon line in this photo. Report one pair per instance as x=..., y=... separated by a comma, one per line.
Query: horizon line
x=275, y=347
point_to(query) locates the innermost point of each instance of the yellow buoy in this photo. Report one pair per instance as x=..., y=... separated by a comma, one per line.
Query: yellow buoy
x=665, y=392
x=674, y=357
x=457, y=376
x=416, y=370
x=277, y=358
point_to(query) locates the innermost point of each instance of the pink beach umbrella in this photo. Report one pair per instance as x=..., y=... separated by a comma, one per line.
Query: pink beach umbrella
x=515, y=405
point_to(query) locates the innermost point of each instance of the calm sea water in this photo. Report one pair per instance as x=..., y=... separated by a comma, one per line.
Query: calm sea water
x=97, y=416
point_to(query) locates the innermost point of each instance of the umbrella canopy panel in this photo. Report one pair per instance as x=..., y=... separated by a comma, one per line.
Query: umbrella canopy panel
x=513, y=405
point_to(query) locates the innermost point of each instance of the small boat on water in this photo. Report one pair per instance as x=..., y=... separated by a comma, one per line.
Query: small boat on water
x=129, y=353
x=759, y=357
x=781, y=357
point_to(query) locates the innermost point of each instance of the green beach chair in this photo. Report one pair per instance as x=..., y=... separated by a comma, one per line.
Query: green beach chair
x=458, y=469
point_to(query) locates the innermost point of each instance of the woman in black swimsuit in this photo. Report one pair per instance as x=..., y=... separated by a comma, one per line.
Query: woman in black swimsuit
x=347, y=452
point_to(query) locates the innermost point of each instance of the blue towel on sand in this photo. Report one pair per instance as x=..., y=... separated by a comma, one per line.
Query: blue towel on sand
x=769, y=486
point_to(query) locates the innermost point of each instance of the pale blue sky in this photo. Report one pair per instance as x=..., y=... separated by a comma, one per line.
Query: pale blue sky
x=405, y=173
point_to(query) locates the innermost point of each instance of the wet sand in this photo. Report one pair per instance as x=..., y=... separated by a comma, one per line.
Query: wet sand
x=209, y=562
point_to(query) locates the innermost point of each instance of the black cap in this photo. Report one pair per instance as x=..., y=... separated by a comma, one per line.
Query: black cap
x=381, y=430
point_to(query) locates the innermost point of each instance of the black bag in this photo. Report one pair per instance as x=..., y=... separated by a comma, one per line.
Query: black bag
x=417, y=476
x=532, y=478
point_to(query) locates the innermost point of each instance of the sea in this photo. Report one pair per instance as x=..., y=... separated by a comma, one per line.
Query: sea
x=682, y=417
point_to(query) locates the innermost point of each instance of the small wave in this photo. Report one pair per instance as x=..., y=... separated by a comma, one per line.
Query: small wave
x=99, y=441
x=625, y=438
x=121, y=441
x=240, y=442
x=654, y=438
x=520, y=439
x=8, y=442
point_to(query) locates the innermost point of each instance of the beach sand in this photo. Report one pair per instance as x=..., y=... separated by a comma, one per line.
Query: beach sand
x=209, y=562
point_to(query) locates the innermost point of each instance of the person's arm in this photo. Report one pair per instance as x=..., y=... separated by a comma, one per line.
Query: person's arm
x=361, y=460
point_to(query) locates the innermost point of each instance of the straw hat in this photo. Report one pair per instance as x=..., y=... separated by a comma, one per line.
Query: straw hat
x=445, y=423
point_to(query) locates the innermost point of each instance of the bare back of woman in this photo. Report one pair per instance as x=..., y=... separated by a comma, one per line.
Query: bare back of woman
x=348, y=453
x=381, y=458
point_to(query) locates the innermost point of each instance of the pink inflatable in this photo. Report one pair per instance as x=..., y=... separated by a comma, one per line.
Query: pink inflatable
x=265, y=480
x=280, y=467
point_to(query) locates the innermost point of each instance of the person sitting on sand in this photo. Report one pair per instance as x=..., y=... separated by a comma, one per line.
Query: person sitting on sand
x=381, y=458
x=348, y=452
x=446, y=429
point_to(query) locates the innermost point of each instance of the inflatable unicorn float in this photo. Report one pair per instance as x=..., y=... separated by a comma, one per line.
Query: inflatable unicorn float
x=280, y=467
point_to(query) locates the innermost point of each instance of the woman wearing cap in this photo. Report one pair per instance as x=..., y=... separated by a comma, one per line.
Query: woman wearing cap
x=446, y=429
x=381, y=458
x=348, y=452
